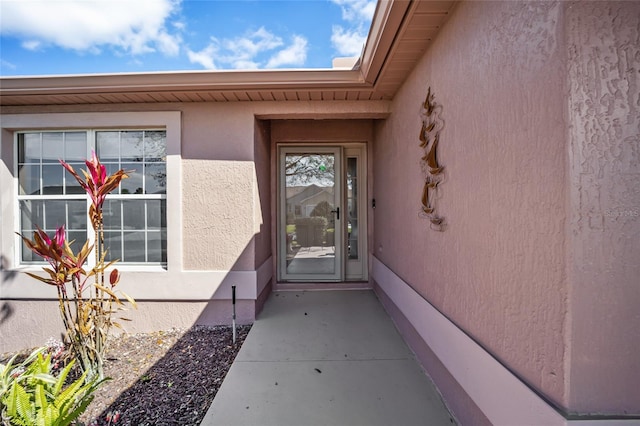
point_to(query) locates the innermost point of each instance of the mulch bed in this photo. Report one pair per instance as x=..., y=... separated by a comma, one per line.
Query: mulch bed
x=163, y=378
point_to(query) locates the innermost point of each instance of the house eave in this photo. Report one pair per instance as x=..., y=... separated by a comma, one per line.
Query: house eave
x=401, y=30
x=179, y=81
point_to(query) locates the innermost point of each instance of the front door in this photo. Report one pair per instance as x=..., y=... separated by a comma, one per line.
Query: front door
x=320, y=191
x=310, y=231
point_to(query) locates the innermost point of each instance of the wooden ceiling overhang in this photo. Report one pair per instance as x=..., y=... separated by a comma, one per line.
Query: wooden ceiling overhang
x=400, y=32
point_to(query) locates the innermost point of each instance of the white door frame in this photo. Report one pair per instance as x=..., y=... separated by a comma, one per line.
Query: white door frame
x=346, y=269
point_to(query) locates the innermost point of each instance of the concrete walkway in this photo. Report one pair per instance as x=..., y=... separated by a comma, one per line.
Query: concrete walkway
x=325, y=358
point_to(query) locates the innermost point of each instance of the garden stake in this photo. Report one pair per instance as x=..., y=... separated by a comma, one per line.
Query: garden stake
x=233, y=301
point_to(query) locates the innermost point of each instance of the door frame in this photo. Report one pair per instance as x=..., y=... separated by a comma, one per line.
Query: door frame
x=346, y=266
x=338, y=273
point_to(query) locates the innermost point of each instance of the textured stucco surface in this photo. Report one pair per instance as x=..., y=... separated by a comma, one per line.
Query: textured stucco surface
x=330, y=131
x=218, y=203
x=262, y=193
x=604, y=135
x=497, y=271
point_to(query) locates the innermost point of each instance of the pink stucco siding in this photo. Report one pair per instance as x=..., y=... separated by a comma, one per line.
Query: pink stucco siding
x=603, y=62
x=498, y=269
x=537, y=261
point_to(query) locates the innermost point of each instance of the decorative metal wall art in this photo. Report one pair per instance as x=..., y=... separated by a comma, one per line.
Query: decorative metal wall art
x=432, y=124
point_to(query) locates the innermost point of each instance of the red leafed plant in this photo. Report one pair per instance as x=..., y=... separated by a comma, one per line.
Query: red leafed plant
x=86, y=304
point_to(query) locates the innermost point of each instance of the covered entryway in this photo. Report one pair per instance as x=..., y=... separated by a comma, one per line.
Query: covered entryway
x=321, y=191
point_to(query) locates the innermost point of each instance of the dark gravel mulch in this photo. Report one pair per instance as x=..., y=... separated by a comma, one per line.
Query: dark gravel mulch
x=164, y=378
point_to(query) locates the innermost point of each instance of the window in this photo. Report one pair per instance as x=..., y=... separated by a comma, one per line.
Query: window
x=134, y=214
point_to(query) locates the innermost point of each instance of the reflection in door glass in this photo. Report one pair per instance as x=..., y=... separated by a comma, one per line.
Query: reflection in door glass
x=310, y=213
x=352, y=208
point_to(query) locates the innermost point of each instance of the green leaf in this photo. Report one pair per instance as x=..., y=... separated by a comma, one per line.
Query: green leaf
x=67, y=419
x=70, y=392
x=61, y=379
x=23, y=409
x=41, y=399
x=52, y=415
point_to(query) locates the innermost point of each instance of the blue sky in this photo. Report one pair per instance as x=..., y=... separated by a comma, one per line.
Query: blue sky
x=45, y=37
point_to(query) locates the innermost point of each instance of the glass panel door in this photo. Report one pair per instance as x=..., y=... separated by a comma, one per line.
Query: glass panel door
x=355, y=214
x=310, y=232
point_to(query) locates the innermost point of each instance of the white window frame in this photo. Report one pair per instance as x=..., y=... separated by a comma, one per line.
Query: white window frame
x=91, y=145
x=170, y=121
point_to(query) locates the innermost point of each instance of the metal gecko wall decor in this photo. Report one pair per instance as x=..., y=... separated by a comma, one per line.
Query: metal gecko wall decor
x=432, y=124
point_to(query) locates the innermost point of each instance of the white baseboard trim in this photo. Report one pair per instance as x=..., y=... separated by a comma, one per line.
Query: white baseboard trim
x=502, y=397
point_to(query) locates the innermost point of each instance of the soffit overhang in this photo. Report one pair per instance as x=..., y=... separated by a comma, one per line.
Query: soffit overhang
x=400, y=32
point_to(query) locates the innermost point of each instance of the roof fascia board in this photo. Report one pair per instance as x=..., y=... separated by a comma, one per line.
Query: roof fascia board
x=385, y=25
x=183, y=81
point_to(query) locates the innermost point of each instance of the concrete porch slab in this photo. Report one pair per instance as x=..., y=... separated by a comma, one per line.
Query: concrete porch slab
x=326, y=358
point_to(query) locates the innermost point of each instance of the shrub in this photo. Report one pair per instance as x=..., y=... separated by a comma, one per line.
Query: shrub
x=310, y=231
x=324, y=209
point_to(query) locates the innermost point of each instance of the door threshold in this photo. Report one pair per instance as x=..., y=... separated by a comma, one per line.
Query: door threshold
x=314, y=286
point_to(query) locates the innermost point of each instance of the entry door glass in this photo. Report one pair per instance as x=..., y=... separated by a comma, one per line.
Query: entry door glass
x=310, y=228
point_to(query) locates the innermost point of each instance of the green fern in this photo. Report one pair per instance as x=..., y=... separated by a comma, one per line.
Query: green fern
x=35, y=397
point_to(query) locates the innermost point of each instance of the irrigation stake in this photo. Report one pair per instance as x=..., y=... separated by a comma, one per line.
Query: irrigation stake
x=233, y=301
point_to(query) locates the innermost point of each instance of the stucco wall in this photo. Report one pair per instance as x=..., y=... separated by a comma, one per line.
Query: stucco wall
x=604, y=151
x=262, y=196
x=335, y=131
x=498, y=270
x=218, y=187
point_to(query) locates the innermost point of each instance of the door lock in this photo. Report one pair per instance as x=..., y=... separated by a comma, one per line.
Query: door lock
x=337, y=212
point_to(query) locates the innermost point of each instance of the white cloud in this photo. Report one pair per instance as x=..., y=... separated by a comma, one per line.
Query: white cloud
x=31, y=44
x=348, y=42
x=241, y=48
x=247, y=52
x=204, y=57
x=296, y=54
x=133, y=27
x=357, y=10
x=7, y=64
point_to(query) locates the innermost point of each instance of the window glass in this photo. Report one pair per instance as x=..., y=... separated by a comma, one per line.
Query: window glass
x=31, y=214
x=29, y=148
x=134, y=184
x=112, y=214
x=108, y=147
x=155, y=177
x=156, y=214
x=134, y=246
x=52, y=147
x=352, y=208
x=75, y=147
x=52, y=177
x=77, y=215
x=155, y=146
x=55, y=214
x=113, y=245
x=134, y=215
x=131, y=146
x=29, y=179
x=154, y=246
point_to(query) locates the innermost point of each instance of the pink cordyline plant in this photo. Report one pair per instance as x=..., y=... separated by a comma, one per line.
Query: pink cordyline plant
x=86, y=314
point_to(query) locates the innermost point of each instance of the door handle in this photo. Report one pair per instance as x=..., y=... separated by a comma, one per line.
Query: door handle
x=337, y=212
